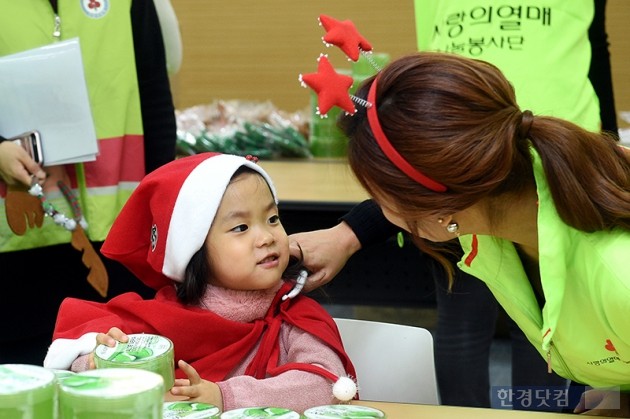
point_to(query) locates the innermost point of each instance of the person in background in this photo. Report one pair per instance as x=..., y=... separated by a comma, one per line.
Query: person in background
x=571, y=80
x=133, y=112
x=171, y=34
x=204, y=231
x=555, y=53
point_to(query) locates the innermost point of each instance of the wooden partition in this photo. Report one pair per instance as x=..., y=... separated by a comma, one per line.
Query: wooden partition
x=617, y=18
x=255, y=49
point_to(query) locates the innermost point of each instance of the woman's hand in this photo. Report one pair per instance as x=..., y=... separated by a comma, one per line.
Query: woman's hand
x=16, y=166
x=194, y=388
x=604, y=403
x=24, y=210
x=324, y=252
x=111, y=338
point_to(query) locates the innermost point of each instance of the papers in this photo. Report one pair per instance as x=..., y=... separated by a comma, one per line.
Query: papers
x=44, y=89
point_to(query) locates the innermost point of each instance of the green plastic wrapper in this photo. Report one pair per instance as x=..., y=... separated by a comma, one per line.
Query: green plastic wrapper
x=143, y=351
x=260, y=412
x=190, y=410
x=367, y=65
x=326, y=139
x=339, y=411
x=27, y=392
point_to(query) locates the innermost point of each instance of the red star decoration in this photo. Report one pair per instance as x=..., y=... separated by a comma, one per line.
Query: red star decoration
x=344, y=35
x=331, y=87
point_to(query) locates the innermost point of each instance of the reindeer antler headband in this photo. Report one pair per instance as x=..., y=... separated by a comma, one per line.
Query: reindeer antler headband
x=333, y=88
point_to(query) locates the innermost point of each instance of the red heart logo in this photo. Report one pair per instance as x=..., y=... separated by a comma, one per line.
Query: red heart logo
x=610, y=346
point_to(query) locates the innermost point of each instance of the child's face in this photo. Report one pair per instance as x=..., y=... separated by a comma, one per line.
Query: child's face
x=248, y=248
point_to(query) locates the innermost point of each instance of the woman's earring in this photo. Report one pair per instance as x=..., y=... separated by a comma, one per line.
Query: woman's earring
x=440, y=220
x=453, y=228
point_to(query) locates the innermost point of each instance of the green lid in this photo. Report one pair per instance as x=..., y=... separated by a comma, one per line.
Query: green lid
x=260, y=412
x=190, y=410
x=26, y=391
x=112, y=393
x=62, y=374
x=336, y=411
x=143, y=351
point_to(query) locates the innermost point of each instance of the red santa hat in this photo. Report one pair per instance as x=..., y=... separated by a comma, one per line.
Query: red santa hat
x=167, y=218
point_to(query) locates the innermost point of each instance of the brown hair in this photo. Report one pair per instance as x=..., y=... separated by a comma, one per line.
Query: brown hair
x=457, y=121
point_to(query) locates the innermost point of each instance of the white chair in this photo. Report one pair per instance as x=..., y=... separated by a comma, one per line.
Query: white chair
x=393, y=362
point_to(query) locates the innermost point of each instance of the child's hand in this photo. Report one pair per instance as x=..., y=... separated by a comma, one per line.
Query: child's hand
x=110, y=339
x=196, y=389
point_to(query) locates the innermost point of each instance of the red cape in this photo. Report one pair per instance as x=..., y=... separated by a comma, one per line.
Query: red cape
x=213, y=345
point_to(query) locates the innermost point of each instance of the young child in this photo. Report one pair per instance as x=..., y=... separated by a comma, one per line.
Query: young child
x=204, y=232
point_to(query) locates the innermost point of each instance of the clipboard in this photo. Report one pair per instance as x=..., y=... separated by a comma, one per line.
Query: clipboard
x=44, y=89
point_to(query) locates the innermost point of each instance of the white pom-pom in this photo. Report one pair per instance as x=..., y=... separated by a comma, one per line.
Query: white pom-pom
x=70, y=224
x=35, y=190
x=344, y=389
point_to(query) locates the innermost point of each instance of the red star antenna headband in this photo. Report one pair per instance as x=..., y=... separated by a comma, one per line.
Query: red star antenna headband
x=345, y=35
x=333, y=88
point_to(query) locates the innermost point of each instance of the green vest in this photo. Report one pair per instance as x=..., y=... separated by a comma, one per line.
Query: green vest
x=541, y=46
x=105, y=35
x=583, y=326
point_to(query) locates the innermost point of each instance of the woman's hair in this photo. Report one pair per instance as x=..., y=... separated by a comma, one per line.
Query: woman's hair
x=456, y=120
x=198, y=270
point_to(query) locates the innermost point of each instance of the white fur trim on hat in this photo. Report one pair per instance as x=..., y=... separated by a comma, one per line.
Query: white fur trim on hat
x=196, y=207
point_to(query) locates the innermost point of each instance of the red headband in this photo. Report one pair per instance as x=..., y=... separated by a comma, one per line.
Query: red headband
x=389, y=150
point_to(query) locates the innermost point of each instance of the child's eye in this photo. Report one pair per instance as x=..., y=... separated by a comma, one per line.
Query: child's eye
x=240, y=228
x=274, y=219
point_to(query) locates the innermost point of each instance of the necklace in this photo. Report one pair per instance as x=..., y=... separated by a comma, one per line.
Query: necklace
x=58, y=217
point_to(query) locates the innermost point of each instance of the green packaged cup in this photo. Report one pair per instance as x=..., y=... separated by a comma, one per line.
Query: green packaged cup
x=190, y=410
x=365, y=67
x=260, y=412
x=62, y=374
x=325, y=138
x=340, y=411
x=112, y=393
x=27, y=391
x=143, y=351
